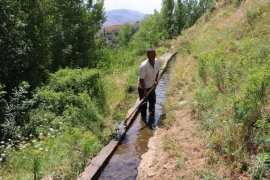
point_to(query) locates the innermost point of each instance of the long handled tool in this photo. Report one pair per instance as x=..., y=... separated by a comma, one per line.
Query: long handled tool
x=140, y=103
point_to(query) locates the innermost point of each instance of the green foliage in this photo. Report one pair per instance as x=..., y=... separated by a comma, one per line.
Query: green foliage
x=113, y=37
x=75, y=97
x=248, y=107
x=149, y=34
x=53, y=124
x=262, y=166
x=14, y=46
x=206, y=175
x=237, y=2
x=202, y=69
x=62, y=156
x=261, y=133
x=125, y=35
x=41, y=36
x=15, y=113
x=167, y=17
x=233, y=82
x=185, y=14
x=36, y=168
x=252, y=14
x=205, y=97
x=179, y=13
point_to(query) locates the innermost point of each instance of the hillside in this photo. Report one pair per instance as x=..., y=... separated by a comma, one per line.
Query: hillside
x=122, y=16
x=217, y=111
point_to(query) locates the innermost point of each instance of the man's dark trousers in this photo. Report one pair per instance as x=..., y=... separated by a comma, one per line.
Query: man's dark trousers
x=152, y=101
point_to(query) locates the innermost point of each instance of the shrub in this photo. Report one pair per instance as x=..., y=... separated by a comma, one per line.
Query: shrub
x=252, y=14
x=262, y=166
x=261, y=133
x=237, y=3
x=78, y=81
x=73, y=97
x=202, y=69
x=248, y=107
x=15, y=112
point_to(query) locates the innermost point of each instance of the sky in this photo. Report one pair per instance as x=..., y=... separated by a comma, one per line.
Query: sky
x=144, y=6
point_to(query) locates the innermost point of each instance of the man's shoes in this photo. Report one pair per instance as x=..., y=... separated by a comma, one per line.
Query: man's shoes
x=153, y=126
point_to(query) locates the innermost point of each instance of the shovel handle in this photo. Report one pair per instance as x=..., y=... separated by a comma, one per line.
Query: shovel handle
x=141, y=101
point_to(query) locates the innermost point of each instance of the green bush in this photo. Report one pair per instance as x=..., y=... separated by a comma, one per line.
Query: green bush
x=261, y=133
x=77, y=81
x=252, y=14
x=237, y=3
x=15, y=112
x=74, y=97
x=202, y=69
x=248, y=107
x=262, y=166
x=205, y=97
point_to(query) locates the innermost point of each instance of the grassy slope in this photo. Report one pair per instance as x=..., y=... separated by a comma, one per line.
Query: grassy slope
x=228, y=51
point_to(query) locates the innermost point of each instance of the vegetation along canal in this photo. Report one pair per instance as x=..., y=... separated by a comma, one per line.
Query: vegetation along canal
x=126, y=159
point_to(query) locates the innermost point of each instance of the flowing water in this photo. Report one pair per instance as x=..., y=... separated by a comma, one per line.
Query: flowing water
x=126, y=159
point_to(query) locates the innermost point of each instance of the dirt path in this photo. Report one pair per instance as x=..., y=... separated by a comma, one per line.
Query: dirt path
x=174, y=153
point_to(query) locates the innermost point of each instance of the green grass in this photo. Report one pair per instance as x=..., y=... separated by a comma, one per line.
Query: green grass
x=232, y=83
x=206, y=175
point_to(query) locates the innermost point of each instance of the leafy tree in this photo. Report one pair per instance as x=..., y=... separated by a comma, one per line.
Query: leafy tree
x=167, y=16
x=38, y=29
x=205, y=5
x=187, y=12
x=76, y=44
x=14, y=46
x=179, y=15
x=150, y=33
x=39, y=36
x=125, y=35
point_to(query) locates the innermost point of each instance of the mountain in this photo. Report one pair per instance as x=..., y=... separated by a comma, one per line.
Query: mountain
x=122, y=16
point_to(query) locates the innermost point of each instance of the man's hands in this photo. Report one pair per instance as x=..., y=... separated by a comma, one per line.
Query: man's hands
x=143, y=86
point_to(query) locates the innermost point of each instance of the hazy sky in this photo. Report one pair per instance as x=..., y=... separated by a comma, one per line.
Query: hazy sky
x=144, y=6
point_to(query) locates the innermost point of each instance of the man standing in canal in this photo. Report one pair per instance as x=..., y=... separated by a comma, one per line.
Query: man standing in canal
x=148, y=77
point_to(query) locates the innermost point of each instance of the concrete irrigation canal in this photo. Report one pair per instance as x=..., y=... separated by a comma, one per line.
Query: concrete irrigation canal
x=120, y=159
